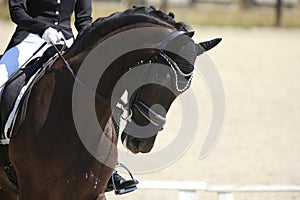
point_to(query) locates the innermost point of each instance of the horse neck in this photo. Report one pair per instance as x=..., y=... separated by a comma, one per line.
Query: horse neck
x=77, y=97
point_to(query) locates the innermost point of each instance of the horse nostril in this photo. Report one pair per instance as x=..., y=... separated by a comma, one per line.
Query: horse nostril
x=132, y=144
x=123, y=136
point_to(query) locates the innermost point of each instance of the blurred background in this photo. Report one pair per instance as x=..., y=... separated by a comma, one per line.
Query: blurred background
x=259, y=64
x=245, y=13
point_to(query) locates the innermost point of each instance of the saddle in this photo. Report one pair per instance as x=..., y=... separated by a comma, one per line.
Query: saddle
x=12, y=102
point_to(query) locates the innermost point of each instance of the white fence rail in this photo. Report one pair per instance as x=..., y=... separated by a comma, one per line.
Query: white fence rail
x=187, y=189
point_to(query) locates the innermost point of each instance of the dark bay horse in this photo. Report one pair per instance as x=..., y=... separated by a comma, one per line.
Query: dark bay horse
x=47, y=153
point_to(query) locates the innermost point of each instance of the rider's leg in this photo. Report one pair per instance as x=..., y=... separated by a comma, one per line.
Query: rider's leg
x=18, y=55
x=7, y=64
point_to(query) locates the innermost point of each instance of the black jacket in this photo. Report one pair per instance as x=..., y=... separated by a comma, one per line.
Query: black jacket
x=35, y=16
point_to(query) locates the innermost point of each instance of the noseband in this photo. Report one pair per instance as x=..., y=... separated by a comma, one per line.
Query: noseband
x=158, y=121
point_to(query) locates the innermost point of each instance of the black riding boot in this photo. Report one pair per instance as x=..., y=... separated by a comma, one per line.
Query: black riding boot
x=120, y=185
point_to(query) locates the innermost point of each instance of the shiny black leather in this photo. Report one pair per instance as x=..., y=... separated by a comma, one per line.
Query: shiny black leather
x=121, y=184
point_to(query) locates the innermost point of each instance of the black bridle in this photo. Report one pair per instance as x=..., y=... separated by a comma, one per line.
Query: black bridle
x=155, y=119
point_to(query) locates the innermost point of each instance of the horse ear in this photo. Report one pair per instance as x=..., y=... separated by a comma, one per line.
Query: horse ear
x=190, y=34
x=207, y=45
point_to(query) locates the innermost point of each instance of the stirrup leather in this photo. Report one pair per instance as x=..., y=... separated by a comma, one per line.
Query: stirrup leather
x=123, y=190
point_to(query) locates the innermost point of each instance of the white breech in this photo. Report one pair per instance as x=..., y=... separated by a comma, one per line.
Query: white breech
x=15, y=57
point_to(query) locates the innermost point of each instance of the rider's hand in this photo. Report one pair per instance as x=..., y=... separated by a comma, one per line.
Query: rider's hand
x=52, y=36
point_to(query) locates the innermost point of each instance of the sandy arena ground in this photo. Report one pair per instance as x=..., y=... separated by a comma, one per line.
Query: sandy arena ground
x=260, y=69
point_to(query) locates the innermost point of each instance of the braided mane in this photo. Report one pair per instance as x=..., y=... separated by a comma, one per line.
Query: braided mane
x=103, y=26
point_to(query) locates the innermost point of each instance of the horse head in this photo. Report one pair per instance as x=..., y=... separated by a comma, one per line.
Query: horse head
x=168, y=73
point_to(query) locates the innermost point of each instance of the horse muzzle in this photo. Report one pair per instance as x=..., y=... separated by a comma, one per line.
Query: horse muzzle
x=137, y=145
x=141, y=130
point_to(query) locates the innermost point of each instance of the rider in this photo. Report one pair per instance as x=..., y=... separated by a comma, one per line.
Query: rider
x=46, y=20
